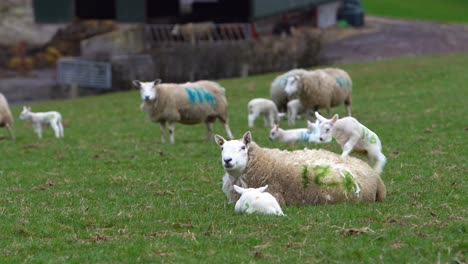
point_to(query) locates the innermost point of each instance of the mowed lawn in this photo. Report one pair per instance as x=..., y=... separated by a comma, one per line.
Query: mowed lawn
x=435, y=10
x=110, y=192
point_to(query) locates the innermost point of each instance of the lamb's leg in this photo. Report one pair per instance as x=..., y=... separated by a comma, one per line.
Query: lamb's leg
x=381, y=160
x=10, y=131
x=348, y=107
x=163, y=131
x=349, y=145
x=61, y=129
x=228, y=130
x=251, y=119
x=209, y=130
x=172, y=131
x=38, y=129
x=56, y=128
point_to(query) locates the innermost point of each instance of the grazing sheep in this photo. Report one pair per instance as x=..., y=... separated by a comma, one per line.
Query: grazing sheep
x=38, y=119
x=265, y=107
x=6, y=118
x=294, y=135
x=188, y=103
x=277, y=93
x=294, y=109
x=256, y=200
x=321, y=89
x=194, y=31
x=352, y=135
x=297, y=177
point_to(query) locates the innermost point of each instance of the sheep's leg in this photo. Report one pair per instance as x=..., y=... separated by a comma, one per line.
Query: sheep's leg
x=348, y=107
x=163, y=131
x=10, y=131
x=251, y=119
x=38, y=129
x=228, y=130
x=61, y=129
x=209, y=130
x=381, y=160
x=349, y=145
x=291, y=117
x=172, y=131
x=56, y=129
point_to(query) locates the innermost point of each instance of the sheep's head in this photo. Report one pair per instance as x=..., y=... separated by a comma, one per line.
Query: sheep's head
x=147, y=89
x=311, y=127
x=291, y=85
x=234, y=153
x=326, y=127
x=274, y=132
x=25, y=113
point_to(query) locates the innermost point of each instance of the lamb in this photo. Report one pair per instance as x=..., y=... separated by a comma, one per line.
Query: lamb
x=256, y=200
x=352, y=135
x=294, y=135
x=38, y=119
x=189, y=103
x=265, y=107
x=294, y=109
x=6, y=118
x=194, y=31
x=297, y=177
x=321, y=89
x=277, y=93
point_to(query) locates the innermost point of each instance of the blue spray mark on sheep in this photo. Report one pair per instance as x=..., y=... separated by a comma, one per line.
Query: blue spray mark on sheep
x=304, y=137
x=199, y=95
x=343, y=82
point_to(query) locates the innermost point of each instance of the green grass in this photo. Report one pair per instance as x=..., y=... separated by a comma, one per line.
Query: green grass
x=435, y=10
x=110, y=192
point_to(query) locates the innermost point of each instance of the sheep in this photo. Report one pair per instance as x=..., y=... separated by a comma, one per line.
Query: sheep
x=188, y=103
x=297, y=177
x=38, y=119
x=352, y=136
x=277, y=93
x=265, y=107
x=321, y=89
x=256, y=200
x=294, y=109
x=6, y=118
x=194, y=31
x=294, y=135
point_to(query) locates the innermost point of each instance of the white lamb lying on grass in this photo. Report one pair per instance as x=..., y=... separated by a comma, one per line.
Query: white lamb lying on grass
x=295, y=135
x=52, y=118
x=265, y=107
x=256, y=200
x=352, y=136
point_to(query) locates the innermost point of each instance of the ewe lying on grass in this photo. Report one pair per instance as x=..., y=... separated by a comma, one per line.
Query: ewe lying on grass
x=352, y=135
x=52, y=118
x=188, y=103
x=256, y=200
x=297, y=177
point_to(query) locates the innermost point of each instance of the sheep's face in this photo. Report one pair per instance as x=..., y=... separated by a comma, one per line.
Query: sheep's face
x=234, y=153
x=325, y=127
x=147, y=89
x=274, y=132
x=25, y=113
x=291, y=85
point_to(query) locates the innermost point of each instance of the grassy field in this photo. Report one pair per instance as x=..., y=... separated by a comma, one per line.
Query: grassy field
x=435, y=10
x=110, y=192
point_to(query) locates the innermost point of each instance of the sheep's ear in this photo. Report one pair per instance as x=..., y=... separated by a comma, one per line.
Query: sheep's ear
x=238, y=189
x=247, y=138
x=335, y=118
x=219, y=140
x=320, y=117
x=157, y=81
x=136, y=83
x=28, y=107
x=262, y=189
x=276, y=127
x=312, y=125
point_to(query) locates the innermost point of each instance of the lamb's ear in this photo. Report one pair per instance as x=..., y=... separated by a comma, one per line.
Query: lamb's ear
x=262, y=189
x=276, y=127
x=219, y=140
x=335, y=118
x=238, y=189
x=247, y=138
x=320, y=117
x=157, y=81
x=312, y=125
x=136, y=83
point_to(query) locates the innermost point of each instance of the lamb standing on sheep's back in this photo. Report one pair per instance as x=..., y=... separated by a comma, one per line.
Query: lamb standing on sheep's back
x=297, y=177
x=188, y=103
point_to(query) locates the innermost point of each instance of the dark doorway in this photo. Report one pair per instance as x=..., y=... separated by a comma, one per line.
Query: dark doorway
x=92, y=9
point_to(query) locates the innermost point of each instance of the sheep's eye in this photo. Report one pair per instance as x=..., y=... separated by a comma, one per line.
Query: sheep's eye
x=243, y=147
x=327, y=130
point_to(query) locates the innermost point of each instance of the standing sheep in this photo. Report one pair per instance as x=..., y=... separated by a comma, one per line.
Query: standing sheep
x=38, y=119
x=265, y=107
x=352, y=135
x=297, y=177
x=294, y=109
x=321, y=89
x=256, y=200
x=189, y=103
x=277, y=93
x=6, y=118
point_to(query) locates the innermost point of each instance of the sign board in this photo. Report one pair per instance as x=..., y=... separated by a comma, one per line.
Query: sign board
x=84, y=73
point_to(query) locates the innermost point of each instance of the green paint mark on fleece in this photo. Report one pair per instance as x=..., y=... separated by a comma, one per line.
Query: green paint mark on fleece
x=305, y=176
x=348, y=183
x=321, y=171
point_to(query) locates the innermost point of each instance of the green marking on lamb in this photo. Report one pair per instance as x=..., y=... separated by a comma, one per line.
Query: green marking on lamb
x=321, y=171
x=305, y=176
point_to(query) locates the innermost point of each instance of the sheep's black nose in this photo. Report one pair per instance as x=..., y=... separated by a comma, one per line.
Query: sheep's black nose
x=321, y=139
x=146, y=98
x=227, y=161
